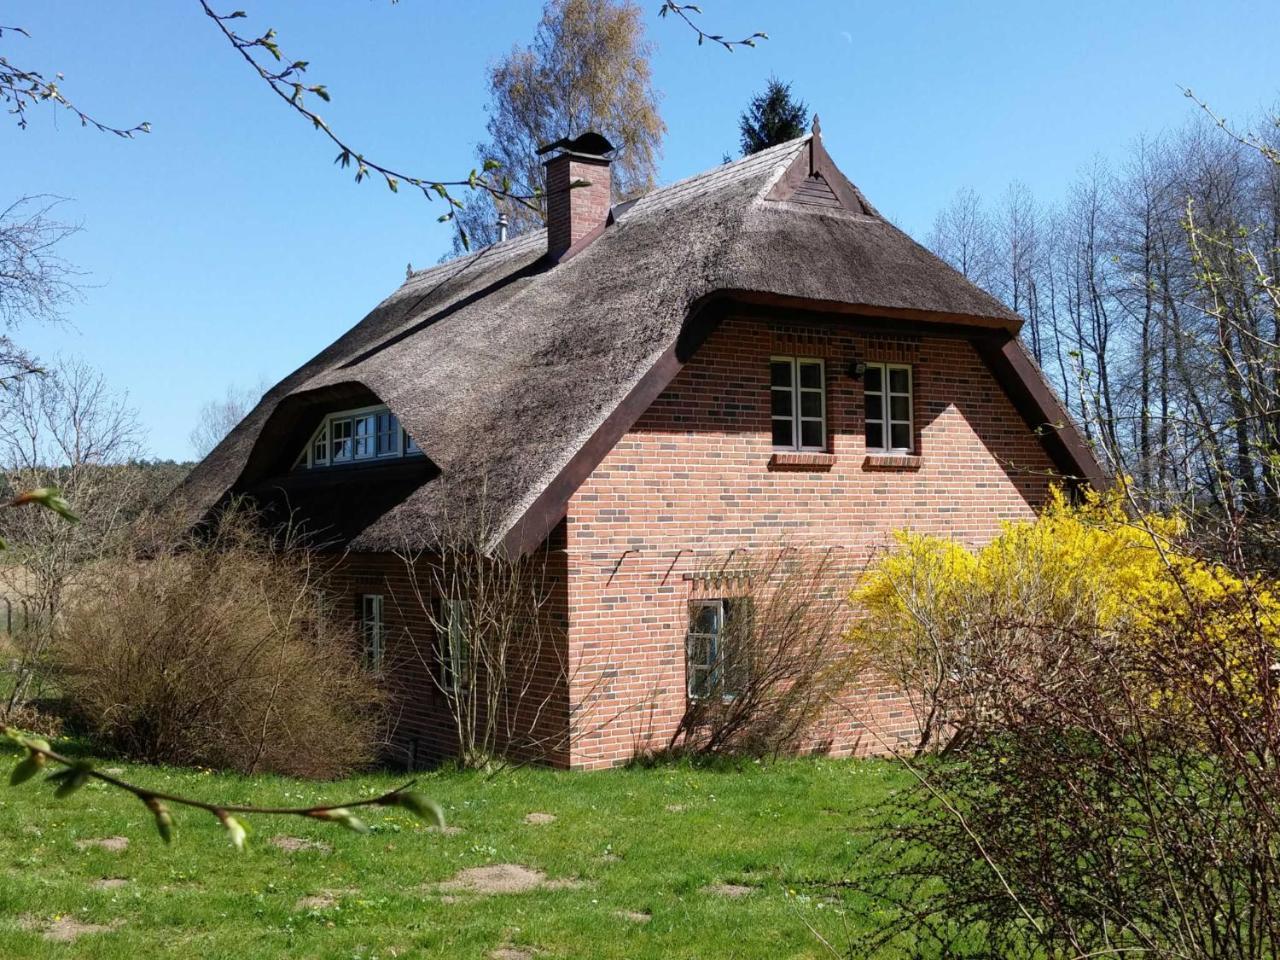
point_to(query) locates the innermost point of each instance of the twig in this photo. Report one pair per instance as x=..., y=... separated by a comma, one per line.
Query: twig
x=75, y=773
x=682, y=10
x=24, y=88
x=288, y=85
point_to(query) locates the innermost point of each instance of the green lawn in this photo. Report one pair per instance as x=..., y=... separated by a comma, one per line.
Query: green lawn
x=628, y=860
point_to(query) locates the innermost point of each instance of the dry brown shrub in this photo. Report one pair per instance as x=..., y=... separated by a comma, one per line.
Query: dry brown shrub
x=781, y=662
x=219, y=650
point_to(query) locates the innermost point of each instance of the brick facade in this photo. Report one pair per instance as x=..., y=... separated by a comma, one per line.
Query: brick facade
x=697, y=477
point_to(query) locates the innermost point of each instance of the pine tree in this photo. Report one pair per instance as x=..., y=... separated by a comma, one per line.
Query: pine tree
x=773, y=117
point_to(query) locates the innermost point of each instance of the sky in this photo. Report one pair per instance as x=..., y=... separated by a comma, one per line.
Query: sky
x=224, y=249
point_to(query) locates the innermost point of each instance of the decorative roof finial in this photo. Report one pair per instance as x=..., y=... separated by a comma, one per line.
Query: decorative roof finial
x=817, y=127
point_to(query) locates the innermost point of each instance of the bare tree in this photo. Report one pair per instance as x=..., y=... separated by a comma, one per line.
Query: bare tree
x=66, y=429
x=36, y=282
x=219, y=417
x=962, y=235
x=497, y=655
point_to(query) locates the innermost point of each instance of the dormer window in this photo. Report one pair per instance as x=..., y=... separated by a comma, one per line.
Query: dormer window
x=357, y=436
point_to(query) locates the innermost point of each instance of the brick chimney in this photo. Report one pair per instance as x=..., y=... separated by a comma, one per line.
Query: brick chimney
x=574, y=211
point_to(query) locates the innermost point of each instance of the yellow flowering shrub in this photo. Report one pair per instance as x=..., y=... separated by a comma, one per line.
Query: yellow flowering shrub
x=937, y=615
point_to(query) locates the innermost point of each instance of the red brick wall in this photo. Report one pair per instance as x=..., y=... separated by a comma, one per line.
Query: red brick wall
x=694, y=479
x=422, y=729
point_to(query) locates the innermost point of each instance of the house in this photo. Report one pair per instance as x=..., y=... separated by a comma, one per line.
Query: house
x=748, y=355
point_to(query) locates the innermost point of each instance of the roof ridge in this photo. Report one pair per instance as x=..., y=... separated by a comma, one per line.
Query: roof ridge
x=752, y=159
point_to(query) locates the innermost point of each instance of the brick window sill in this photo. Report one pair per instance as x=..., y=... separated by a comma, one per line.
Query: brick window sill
x=891, y=461
x=801, y=460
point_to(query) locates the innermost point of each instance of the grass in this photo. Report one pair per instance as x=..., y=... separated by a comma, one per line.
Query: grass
x=636, y=841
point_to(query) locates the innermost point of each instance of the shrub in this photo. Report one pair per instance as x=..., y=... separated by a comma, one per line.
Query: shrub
x=220, y=651
x=1114, y=734
x=782, y=659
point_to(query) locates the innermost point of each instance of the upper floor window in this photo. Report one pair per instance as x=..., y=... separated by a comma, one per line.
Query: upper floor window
x=369, y=433
x=798, y=403
x=887, y=392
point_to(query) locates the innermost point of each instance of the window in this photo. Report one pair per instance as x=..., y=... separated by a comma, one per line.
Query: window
x=798, y=404
x=371, y=433
x=887, y=392
x=339, y=440
x=372, y=630
x=320, y=445
x=716, y=663
x=455, y=645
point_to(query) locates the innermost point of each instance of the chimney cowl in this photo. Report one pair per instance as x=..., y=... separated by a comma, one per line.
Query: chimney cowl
x=578, y=191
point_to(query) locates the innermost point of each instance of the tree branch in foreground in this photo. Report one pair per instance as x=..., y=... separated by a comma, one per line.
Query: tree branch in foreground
x=287, y=83
x=28, y=88
x=682, y=10
x=74, y=774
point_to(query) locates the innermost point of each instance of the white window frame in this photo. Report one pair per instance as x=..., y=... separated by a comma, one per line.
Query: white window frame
x=796, y=391
x=701, y=679
x=362, y=441
x=373, y=629
x=886, y=420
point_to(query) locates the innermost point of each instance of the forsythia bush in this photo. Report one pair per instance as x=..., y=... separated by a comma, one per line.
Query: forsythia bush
x=936, y=612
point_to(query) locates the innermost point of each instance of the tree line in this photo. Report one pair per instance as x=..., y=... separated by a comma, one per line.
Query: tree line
x=1151, y=304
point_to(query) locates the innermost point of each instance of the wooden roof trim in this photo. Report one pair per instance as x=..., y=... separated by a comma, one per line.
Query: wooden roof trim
x=1023, y=380
x=813, y=161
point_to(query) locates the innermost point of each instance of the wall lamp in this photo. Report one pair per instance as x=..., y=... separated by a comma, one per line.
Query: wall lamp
x=857, y=368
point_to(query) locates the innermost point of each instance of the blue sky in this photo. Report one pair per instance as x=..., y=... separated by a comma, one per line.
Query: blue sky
x=225, y=248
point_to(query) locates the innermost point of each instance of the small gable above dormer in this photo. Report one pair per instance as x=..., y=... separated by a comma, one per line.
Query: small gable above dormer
x=813, y=180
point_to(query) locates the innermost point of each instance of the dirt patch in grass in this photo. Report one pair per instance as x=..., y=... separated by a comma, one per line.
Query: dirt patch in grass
x=732, y=890
x=502, y=878
x=113, y=844
x=66, y=929
x=448, y=831
x=674, y=808
x=511, y=953
x=538, y=819
x=635, y=916
x=324, y=900
x=299, y=844
x=109, y=883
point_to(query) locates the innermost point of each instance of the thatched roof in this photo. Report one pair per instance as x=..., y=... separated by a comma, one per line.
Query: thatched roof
x=503, y=365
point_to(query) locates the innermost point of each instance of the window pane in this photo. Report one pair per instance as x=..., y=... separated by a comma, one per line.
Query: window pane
x=811, y=434
x=699, y=686
x=875, y=406
x=810, y=403
x=782, y=403
x=782, y=433
x=320, y=452
x=898, y=380
x=340, y=440
x=875, y=436
x=900, y=408
x=901, y=435
x=873, y=380
x=409, y=445
x=705, y=618
x=780, y=373
x=811, y=375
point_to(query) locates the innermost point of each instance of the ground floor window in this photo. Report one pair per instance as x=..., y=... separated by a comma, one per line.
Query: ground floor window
x=455, y=645
x=372, y=629
x=717, y=647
